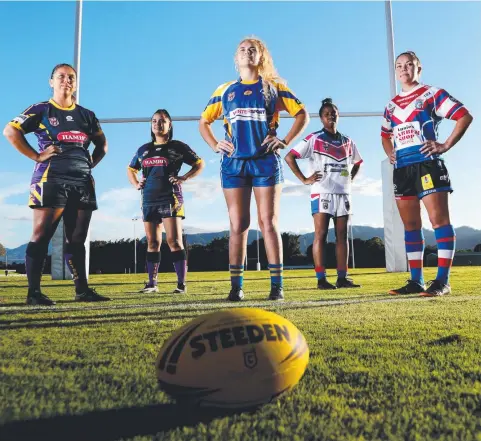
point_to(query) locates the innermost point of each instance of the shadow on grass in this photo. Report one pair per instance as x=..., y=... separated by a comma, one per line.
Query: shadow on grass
x=95, y=320
x=111, y=424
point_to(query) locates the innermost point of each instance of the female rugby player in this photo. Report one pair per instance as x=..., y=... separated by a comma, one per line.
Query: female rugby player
x=160, y=161
x=62, y=184
x=250, y=106
x=409, y=138
x=334, y=162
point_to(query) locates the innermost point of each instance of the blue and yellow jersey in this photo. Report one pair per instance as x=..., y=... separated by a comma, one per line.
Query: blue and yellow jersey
x=248, y=116
x=158, y=162
x=71, y=129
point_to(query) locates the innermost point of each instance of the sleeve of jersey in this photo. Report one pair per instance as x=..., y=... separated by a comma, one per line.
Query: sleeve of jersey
x=356, y=156
x=29, y=120
x=386, y=127
x=213, y=110
x=190, y=157
x=96, y=129
x=446, y=106
x=303, y=149
x=135, y=163
x=288, y=101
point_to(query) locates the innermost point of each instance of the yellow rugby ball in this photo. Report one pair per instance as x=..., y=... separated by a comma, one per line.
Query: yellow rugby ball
x=235, y=358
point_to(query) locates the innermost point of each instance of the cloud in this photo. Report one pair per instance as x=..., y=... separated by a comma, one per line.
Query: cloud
x=206, y=189
x=12, y=184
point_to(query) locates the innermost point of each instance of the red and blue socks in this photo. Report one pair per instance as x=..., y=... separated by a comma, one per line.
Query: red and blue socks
x=446, y=240
x=414, y=241
x=320, y=272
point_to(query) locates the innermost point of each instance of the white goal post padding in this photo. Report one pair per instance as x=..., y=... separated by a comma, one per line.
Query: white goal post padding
x=394, y=247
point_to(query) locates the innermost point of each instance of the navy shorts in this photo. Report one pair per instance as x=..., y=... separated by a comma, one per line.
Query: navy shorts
x=50, y=195
x=265, y=171
x=156, y=212
x=419, y=180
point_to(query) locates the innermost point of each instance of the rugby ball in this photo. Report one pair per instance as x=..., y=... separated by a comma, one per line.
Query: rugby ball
x=234, y=358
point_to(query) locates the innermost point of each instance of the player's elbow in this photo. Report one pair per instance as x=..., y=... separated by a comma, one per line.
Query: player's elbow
x=9, y=131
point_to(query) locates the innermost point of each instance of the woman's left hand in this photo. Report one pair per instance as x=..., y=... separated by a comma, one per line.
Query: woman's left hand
x=433, y=148
x=273, y=143
x=177, y=179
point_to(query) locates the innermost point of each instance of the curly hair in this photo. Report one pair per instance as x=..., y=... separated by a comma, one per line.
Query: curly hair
x=266, y=67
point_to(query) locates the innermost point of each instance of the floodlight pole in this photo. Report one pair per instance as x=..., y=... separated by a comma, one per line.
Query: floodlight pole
x=59, y=267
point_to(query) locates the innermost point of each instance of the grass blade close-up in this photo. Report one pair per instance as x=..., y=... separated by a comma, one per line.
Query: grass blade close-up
x=381, y=367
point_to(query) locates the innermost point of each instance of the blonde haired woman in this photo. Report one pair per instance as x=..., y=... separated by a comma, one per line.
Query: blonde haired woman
x=250, y=160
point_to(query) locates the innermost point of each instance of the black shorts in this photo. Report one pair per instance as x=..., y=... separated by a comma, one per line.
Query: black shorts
x=156, y=212
x=50, y=195
x=419, y=180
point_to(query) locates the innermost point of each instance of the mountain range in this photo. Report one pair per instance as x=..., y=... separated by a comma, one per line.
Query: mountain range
x=466, y=238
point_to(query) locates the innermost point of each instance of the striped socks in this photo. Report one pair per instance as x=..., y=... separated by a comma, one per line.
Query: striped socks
x=414, y=241
x=276, y=271
x=236, y=275
x=320, y=272
x=446, y=240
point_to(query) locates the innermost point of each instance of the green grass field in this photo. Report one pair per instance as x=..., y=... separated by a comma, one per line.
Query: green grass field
x=381, y=368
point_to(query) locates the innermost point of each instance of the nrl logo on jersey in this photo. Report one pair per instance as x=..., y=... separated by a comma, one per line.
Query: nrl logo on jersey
x=419, y=104
x=53, y=121
x=248, y=92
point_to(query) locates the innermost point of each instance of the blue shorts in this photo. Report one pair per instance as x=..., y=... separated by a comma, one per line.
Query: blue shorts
x=265, y=171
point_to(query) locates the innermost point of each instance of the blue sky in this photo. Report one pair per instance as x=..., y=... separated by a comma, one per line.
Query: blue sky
x=137, y=57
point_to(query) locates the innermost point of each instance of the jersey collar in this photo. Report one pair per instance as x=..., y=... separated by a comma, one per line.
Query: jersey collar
x=409, y=92
x=240, y=80
x=53, y=103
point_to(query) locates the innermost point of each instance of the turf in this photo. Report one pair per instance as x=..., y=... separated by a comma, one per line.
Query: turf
x=381, y=367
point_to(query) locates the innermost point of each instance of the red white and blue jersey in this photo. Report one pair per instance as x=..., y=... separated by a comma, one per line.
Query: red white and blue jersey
x=333, y=156
x=413, y=117
x=72, y=129
x=248, y=116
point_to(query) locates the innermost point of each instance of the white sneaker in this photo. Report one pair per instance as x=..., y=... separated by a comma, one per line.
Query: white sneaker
x=149, y=288
x=181, y=289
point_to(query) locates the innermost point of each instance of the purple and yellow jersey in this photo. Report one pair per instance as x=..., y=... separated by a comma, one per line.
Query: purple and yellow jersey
x=158, y=162
x=413, y=117
x=248, y=116
x=71, y=129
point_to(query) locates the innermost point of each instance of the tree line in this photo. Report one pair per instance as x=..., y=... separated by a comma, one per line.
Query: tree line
x=109, y=257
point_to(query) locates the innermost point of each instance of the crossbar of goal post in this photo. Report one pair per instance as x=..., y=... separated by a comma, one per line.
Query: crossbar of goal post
x=393, y=229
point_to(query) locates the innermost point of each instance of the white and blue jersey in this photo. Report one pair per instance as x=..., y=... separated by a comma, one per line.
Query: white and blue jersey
x=248, y=116
x=413, y=117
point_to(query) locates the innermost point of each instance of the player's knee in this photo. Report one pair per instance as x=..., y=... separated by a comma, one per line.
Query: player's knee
x=174, y=244
x=341, y=235
x=239, y=226
x=320, y=236
x=153, y=244
x=268, y=223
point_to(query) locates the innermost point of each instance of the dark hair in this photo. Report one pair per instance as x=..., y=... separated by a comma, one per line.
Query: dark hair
x=171, y=131
x=327, y=102
x=58, y=66
x=412, y=55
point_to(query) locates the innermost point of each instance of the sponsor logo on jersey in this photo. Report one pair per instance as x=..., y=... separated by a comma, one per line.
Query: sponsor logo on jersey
x=156, y=161
x=427, y=182
x=69, y=118
x=20, y=119
x=231, y=96
x=419, y=104
x=248, y=114
x=72, y=136
x=247, y=92
x=53, y=121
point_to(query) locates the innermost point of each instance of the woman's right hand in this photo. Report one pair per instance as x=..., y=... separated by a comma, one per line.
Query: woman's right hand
x=50, y=151
x=141, y=183
x=225, y=147
x=315, y=177
x=392, y=157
